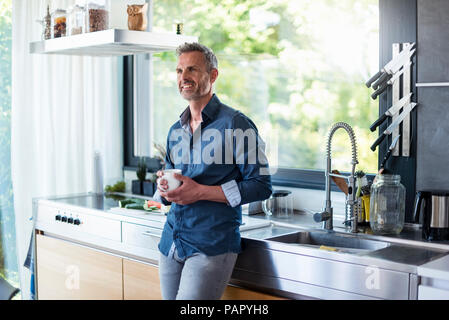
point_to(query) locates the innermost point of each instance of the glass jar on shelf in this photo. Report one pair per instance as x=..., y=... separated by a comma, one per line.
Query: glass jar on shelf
x=387, y=204
x=97, y=15
x=58, y=23
x=76, y=20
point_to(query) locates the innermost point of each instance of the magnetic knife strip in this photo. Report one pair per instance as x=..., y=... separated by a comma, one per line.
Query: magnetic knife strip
x=397, y=74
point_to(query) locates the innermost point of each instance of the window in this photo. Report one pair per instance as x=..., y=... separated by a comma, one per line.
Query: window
x=8, y=259
x=294, y=67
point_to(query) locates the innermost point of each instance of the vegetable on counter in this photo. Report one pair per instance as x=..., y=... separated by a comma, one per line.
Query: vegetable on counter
x=141, y=204
x=118, y=187
x=126, y=202
x=137, y=206
x=151, y=203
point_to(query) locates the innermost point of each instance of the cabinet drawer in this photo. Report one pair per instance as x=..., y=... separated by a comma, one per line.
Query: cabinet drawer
x=140, y=281
x=141, y=236
x=432, y=293
x=69, y=271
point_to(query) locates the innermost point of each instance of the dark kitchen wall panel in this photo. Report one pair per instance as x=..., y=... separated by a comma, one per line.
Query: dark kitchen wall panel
x=398, y=25
x=433, y=40
x=432, y=170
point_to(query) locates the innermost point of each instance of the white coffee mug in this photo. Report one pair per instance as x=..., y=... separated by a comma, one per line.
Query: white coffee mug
x=172, y=182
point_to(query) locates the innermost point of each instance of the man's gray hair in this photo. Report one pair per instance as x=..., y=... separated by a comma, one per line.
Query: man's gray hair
x=209, y=56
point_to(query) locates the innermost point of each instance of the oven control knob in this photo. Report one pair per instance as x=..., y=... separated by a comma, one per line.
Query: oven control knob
x=70, y=220
x=64, y=219
x=58, y=217
x=77, y=222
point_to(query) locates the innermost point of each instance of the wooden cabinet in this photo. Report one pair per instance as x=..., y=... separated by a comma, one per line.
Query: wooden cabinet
x=235, y=293
x=140, y=281
x=68, y=271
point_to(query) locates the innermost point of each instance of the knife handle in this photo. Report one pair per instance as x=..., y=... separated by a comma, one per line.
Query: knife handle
x=383, y=78
x=382, y=165
x=380, y=90
x=378, y=122
x=378, y=141
x=373, y=78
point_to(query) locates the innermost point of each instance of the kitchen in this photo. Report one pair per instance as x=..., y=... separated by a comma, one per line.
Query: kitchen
x=84, y=124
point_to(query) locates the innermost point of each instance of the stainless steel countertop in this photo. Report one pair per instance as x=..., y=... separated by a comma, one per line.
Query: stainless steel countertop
x=408, y=252
x=405, y=252
x=410, y=235
x=293, y=268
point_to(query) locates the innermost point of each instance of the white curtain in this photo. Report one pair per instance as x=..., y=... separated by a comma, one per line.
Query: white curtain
x=64, y=108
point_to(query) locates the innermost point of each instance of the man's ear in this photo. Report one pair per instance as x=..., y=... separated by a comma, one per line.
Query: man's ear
x=213, y=75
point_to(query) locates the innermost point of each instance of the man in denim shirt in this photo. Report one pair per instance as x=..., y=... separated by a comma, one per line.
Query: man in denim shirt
x=223, y=167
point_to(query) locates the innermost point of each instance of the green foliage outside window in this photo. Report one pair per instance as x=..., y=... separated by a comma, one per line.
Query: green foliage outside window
x=8, y=260
x=295, y=67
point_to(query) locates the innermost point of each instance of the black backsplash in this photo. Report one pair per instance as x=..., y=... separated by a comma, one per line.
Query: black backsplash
x=432, y=171
x=398, y=24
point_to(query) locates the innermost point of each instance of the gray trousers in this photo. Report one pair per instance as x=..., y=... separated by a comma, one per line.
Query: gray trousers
x=198, y=277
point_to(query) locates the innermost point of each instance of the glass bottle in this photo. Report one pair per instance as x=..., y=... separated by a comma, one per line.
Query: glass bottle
x=387, y=204
x=47, y=25
x=58, y=23
x=76, y=23
x=97, y=15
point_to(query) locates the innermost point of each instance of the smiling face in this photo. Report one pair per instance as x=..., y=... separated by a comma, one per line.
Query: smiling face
x=194, y=80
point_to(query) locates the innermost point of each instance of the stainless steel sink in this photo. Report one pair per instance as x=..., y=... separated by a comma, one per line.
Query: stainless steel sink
x=293, y=264
x=330, y=241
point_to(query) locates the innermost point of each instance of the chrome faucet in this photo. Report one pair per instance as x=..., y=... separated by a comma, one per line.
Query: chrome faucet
x=351, y=213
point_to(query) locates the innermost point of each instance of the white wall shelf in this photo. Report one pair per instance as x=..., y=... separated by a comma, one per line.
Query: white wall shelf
x=432, y=84
x=112, y=42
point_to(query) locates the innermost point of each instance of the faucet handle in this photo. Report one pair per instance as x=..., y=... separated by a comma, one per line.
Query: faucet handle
x=321, y=216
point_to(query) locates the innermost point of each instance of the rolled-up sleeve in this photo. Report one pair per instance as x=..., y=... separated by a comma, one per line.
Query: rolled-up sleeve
x=250, y=157
x=232, y=193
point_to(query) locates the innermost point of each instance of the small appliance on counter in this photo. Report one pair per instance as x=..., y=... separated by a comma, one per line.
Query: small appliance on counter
x=433, y=208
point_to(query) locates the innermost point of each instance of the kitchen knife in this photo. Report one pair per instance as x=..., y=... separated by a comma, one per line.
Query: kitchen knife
x=390, y=149
x=391, y=111
x=389, y=65
x=394, y=124
x=394, y=68
x=390, y=82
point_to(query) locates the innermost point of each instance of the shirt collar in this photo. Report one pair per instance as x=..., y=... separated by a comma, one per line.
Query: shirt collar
x=209, y=111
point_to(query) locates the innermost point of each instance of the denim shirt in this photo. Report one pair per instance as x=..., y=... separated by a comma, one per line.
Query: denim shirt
x=215, y=155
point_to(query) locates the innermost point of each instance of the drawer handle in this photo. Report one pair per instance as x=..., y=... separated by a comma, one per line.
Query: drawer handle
x=150, y=234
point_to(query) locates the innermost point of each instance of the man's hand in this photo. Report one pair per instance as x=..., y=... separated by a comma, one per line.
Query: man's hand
x=189, y=191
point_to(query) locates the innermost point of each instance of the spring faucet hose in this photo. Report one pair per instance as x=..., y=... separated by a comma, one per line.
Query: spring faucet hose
x=351, y=134
x=349, y=202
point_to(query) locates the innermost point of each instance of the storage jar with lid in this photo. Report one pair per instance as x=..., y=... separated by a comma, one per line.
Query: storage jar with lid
x=58, y=23
x=76, y=20
x=387, y=204
x=97, y=15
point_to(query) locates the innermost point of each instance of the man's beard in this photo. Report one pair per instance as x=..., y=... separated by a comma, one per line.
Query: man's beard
x=198, y=92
